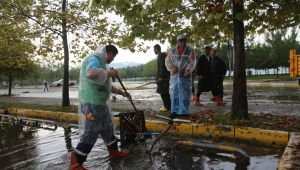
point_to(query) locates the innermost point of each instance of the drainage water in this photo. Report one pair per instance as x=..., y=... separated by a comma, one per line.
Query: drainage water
x=28, y=148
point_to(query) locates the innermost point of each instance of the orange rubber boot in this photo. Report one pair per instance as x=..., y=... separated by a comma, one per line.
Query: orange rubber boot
x=117, y=154
x=219, y=101
x=74, y=165
x=197, y=102
x=193, y=96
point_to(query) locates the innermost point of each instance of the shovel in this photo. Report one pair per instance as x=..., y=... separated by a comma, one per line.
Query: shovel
x=152, y=82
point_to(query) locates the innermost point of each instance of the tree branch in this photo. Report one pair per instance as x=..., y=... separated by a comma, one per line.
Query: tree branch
x=21, y=12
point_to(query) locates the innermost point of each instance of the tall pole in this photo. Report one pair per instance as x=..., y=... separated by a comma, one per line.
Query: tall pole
x=229, y=56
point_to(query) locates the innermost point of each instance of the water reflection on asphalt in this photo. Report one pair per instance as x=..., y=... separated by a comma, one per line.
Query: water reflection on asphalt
x=28, y=148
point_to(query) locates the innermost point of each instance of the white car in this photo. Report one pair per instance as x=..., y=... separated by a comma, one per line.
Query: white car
x=60, y=83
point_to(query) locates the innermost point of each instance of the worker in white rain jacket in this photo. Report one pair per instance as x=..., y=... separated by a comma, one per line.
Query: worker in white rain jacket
x=180, y=61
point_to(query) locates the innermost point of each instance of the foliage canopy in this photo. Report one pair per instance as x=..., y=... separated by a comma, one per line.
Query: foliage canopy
x=204, y=21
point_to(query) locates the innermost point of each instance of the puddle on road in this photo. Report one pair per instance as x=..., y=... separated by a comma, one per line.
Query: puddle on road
x=29, y=148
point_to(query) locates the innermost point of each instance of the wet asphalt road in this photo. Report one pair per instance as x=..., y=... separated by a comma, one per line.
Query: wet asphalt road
x=275, y=99
x=28, y=148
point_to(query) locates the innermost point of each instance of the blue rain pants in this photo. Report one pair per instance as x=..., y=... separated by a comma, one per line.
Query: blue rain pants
x=181, y=91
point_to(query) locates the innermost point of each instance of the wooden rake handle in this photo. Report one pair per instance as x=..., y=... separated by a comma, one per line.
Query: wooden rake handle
x=127, y=94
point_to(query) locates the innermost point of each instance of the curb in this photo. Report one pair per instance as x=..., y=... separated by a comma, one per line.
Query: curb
x=291, y=155
x=254, y=135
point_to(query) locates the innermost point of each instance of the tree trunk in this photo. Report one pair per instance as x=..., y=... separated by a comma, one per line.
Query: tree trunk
x=65, y=92
x=9, y=84
x=239, y=108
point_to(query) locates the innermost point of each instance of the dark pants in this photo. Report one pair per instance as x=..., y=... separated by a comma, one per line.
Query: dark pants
x=219, y=87
x=206, y=85
x=163, y=90
x=166, y=100
x=46, y=88
x=193, y=86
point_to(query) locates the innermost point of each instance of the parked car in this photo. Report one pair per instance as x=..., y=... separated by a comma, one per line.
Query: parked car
x=60, y=83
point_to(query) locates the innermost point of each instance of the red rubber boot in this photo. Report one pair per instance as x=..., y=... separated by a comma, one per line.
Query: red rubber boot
x=197, y=102
x=219, y=101
x=74, y=165
x=117, y=154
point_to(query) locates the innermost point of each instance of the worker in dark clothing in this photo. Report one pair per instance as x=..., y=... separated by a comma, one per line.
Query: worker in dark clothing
x=219, y=69
x=203, y=74
x=163, y=77
x=206, y=76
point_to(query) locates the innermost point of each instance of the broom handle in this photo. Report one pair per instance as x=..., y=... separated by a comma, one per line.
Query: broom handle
x=127, y=94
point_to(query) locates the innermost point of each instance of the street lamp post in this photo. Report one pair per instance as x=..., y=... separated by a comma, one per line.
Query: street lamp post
x=10, y=43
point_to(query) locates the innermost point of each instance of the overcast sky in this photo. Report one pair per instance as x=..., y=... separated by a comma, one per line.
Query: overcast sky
x=139, y=57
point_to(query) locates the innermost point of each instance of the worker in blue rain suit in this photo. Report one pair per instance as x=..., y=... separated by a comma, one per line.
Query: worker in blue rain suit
x=94, y=111
x=180, y=61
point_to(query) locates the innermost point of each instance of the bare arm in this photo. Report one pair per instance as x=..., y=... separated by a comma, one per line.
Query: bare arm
x=120, y=92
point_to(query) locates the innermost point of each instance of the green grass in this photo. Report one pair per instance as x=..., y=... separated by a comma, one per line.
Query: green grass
x=54, y=108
